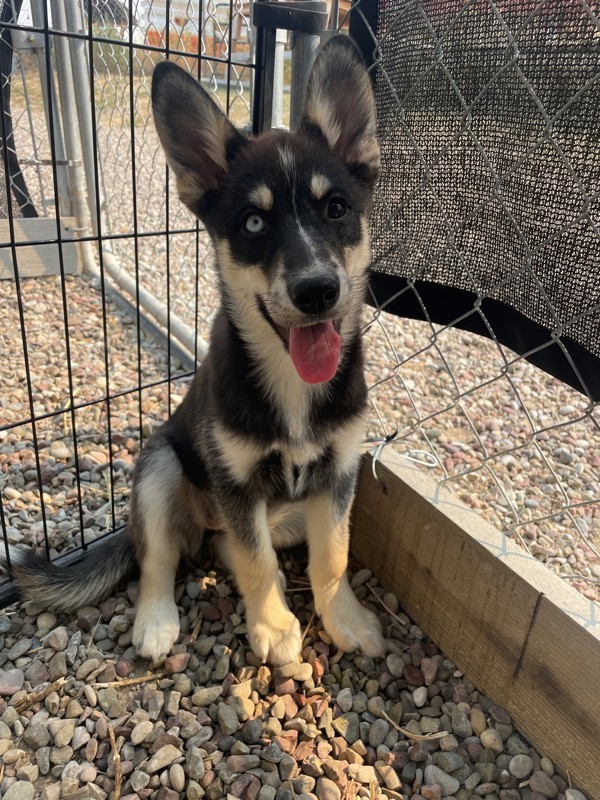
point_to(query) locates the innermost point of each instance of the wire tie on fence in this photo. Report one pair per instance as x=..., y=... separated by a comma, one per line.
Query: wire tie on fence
x=377, y=454
x=421, y=457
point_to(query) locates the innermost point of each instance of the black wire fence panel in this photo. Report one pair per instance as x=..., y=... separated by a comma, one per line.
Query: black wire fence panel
x=487, y=211
x=89, y=360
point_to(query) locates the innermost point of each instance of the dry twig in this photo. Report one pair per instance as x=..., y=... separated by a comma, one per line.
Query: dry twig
x=39, y=695
x=129, y=681
x=420, y=737
x=395, y=795
x=310, y=622
x=196, y=630
x=93, y=633
x=387, y=608
x=117, y=762
x=298, y=589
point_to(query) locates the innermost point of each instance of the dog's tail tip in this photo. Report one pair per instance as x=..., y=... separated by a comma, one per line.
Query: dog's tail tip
x=9, y=554
x=12, y=555
x=68, y=588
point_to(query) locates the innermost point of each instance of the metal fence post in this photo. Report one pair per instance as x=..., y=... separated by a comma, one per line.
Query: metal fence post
x=81, y=86
x=71, y=132
x=278, y=75
x=307, y=19
x=304, y=48
x=51, y=109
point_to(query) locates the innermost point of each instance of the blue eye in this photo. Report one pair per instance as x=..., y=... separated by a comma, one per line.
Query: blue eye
x=253, y=223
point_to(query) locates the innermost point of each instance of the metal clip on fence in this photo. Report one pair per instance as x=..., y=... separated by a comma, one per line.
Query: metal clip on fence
x=307, y=19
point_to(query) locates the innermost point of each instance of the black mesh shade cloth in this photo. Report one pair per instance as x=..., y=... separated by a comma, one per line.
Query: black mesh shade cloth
x=487, y=214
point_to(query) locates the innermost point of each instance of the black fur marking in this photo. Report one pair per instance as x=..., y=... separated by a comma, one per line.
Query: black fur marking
x=194, y=467
x=242, y=403
x=343, y=491
x=239, y=505
x=348, y=387
x=269, y=319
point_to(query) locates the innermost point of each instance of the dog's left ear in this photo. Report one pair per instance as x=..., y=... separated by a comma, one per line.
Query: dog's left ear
x=198, y=139
x=340, y=104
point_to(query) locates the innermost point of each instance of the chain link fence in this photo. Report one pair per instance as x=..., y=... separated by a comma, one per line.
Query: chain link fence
x=486, y=225
x=213, y=41
x=91, y=359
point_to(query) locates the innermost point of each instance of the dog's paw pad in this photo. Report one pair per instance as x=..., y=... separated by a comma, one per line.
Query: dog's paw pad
x=276, y=644
x=155, y=630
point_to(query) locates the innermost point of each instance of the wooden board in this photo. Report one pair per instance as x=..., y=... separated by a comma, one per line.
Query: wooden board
x=41, y=258
x=506, y=620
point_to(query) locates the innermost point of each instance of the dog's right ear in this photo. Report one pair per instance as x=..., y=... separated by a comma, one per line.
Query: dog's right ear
x=196, y=136
x=340, y=105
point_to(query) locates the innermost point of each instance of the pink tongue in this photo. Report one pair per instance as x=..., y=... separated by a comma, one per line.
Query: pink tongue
x=315, y=351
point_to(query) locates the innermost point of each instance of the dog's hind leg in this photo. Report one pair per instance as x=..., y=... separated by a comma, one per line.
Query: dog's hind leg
x=350, y=625
x=158, y=543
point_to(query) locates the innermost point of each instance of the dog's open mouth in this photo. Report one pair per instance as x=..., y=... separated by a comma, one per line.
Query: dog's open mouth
x=314, y=349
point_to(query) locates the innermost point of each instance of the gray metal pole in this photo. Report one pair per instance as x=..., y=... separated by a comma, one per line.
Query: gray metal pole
x=81, y=85
x=304, y=47
x=280, y=42
x=51, y=108
x=334, y=15
x=71, y=131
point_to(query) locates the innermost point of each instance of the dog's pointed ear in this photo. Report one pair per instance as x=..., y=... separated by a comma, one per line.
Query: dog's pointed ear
x=196, y=136
x=340, y=105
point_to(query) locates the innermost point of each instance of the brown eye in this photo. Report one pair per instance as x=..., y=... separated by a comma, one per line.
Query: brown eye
x=336, y=208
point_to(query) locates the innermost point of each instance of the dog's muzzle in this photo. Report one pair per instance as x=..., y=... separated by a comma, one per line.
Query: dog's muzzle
x=315, y=347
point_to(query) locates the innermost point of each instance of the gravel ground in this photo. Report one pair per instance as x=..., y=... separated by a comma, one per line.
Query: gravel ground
x=80, y=717
x=521, y=448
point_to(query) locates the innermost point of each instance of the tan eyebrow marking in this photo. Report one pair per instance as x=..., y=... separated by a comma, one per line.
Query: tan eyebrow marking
x=262, y=197
x=319, y=185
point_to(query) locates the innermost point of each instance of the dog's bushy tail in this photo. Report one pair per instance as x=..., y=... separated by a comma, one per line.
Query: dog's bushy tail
x=68, y=588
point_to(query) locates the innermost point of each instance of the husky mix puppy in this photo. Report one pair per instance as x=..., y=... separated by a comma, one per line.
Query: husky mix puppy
x=265, y=446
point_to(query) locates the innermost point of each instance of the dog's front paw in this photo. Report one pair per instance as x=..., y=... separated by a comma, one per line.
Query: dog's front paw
x=352, y=626
x=156, y=629
x=277, y=641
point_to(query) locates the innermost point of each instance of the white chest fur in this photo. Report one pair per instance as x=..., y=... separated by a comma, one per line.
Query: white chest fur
x=242, y=454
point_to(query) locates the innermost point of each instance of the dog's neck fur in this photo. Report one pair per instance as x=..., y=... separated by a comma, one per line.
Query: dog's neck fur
x=265, y=397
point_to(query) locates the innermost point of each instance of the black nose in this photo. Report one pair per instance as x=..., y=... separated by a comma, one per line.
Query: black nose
x=315, y=295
